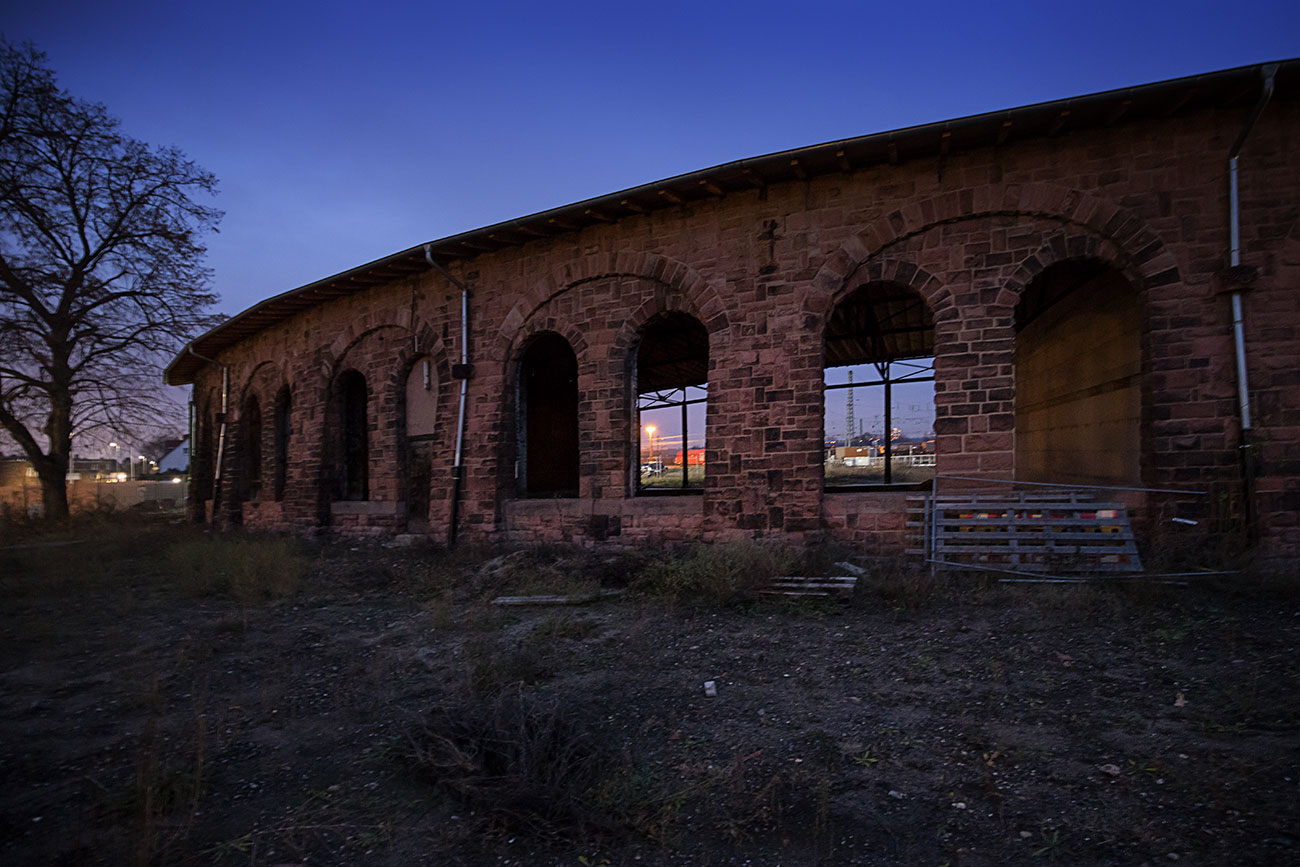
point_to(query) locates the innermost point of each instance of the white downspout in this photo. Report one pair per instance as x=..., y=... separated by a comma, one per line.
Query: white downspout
x=464, y=370
x=1238, y=317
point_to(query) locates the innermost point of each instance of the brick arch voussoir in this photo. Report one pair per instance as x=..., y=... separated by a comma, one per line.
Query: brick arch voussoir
x=336, y=355
x=263, y=381
x=633, y=324
x=1079, y=244
x=688, y=292
x=1140, y=249
x=427, y=343
x=515, y=353
x=894, y=270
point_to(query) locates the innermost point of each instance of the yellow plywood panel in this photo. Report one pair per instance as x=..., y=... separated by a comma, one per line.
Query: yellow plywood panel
x=1078, y=388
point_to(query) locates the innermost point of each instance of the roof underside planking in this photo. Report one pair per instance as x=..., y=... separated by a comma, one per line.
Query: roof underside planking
x=877, y=323
x=1230, y=89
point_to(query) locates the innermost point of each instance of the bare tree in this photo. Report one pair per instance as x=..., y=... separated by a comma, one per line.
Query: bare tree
x=101, y=272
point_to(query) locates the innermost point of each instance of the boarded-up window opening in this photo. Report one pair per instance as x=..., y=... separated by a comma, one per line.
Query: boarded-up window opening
x=421, y=422
x=672, y=390
x=879, y=392
x=283, y=407
x=354, y=476
x=251, y=428
x=548, y=410
x=1078, y=366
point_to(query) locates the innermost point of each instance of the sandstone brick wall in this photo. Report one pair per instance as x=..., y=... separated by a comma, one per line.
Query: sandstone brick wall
x=762, y=270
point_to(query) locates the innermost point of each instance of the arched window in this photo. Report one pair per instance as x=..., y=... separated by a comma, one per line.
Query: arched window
x=548, y=414
x=1078, y=365
x=282, y=422
x=421, y=422
x=672, y=391
x=250, y=426
x=879, y=389
x=354, y=428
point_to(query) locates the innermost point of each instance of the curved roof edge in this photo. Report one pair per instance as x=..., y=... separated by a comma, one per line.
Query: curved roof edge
x=1225, y=88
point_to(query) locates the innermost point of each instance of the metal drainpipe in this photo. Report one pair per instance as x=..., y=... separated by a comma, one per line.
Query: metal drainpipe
x=1238, y=320
x=221, y=433
x=457, y=472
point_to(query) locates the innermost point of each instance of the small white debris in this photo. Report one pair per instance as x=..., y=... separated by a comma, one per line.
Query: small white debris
x=710, y=689
x=894, y=793
x=959, y=805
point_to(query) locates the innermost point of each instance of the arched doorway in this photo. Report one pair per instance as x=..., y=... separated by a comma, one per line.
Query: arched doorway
x=548, y=418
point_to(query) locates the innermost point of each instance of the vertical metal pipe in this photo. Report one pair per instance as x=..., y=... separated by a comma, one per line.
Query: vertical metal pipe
x=457, y=472
x=221, y=441
x=1238, y=324
x=189, y=462
x=458, y=469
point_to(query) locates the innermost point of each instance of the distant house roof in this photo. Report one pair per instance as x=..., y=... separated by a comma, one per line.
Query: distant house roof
x=178, y=459
x=1229, y=88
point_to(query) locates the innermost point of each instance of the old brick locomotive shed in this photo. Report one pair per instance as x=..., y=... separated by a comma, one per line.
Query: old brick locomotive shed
x=1052, y=289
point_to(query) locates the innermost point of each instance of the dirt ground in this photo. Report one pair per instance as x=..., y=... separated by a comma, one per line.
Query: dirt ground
x=926, y=722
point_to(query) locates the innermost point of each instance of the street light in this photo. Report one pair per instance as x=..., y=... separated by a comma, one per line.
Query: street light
x=650, y=429
x=116, y=455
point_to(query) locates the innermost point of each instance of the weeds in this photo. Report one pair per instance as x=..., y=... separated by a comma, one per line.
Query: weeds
x=164, y=800
x=726, y=573
x=521, y=759
x=252, y=570
x=559, y=627
x=1052, y=847
x=491, y=671
x=88, y=553
x=906, y=585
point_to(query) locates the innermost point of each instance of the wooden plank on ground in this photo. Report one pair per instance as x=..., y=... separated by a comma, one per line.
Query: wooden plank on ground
x=544, y=599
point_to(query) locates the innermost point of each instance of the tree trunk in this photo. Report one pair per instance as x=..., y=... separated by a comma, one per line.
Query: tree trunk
x=53, y=470
x=54, y=489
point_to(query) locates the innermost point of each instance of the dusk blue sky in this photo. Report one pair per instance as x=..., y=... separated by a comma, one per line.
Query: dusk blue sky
x=344, y=132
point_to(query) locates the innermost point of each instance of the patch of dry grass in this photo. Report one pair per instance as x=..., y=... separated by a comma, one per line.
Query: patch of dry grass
x=722, y=573
x=250, y=569
x=516, y=757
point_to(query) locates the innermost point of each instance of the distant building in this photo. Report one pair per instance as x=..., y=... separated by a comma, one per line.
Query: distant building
x=694, y=457
x=177, y=460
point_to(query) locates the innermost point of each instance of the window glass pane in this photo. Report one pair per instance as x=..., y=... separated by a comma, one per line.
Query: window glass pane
x=857, y=417
x=670, y=458
x=672, y=395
